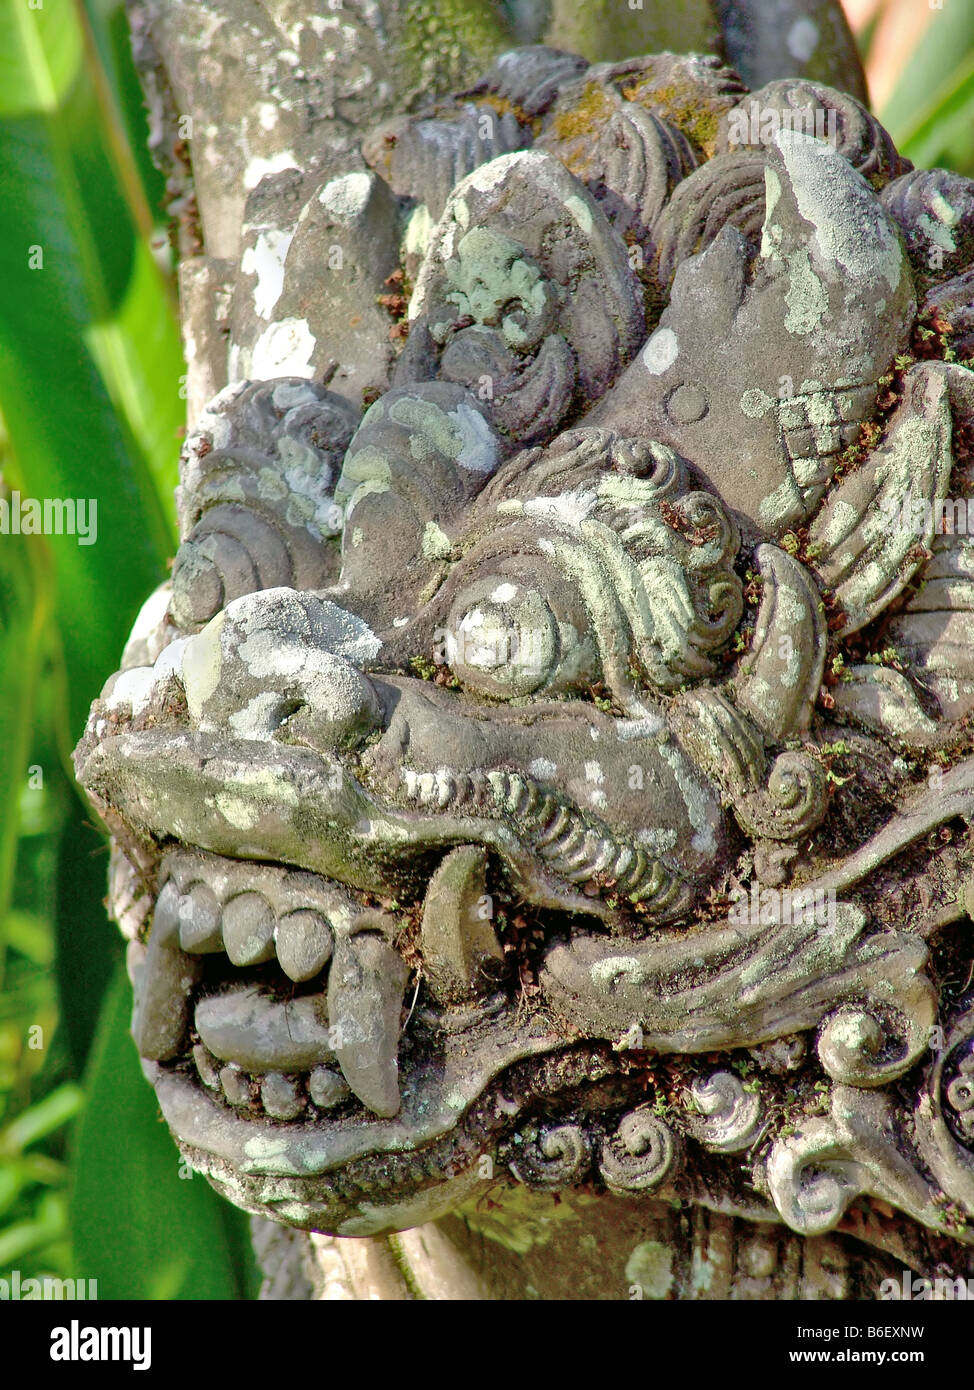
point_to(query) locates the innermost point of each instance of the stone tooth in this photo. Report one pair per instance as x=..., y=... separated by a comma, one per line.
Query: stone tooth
x=280, y=1096
x=327, y=1088
x=560, y=822
x=237, y=1086
x=262, y=1034
x=200, y=930
x=461, y=954
x=248, y=929
x=168, y=978
x=206, y=1067
x=499, y=785
x=366, y=985
x=446, y=787
x=304, y=944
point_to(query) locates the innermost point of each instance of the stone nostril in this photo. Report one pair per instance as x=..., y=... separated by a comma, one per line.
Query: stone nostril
x=280, y=663
x=286, y=711
x=339, y=707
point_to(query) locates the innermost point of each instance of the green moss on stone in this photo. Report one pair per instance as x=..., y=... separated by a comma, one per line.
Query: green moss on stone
x=445, y=45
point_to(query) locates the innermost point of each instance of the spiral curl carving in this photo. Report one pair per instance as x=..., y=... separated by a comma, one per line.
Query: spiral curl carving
x=640, y=1155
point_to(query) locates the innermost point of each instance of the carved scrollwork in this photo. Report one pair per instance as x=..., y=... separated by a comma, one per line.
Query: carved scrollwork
x=944, y=1114
x=727, y=996
x=934, y=208
x=726, y=191
x=641, y=1154
x=630, y=158
x=793, y=802
x=492, y=299
x=731, y=1116
x=779, y=679
x=257, y=503
x=816, y=1173
x=555, y=1155
x=457, y=705
x=864, y=1047
x=818, y=111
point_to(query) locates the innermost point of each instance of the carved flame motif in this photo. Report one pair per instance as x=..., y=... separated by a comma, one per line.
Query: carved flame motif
x=490, y=738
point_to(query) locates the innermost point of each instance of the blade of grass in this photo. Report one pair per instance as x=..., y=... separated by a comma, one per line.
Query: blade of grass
x=86, y=328
x=951, y=112
x=41, y=1119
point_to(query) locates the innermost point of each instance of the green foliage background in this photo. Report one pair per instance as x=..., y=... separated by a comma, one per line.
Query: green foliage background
x=90, y=379
x=90, y=407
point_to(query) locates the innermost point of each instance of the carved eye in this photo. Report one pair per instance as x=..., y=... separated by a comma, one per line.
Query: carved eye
x=504, y=643
x=504, y=639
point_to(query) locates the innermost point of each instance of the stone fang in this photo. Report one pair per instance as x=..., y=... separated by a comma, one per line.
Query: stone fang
x=169, y=974
x=461, y=954
x=366, y=985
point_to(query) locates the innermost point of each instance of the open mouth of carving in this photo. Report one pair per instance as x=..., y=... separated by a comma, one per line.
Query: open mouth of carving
x=291, y=1046
x=289, y=993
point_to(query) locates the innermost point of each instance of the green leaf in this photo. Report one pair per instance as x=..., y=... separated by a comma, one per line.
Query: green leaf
x=88, y=947
x=24, y=612
x=930, y=114
x=139, y=1228
x=24, y=1237
x=90, y=363
x=41, y=1118
x=112, y=38
x=30, y=936
x=942, y=122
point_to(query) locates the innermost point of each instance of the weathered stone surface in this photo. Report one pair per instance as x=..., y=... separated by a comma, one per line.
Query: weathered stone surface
x=818, y=111
x=260, y=1034
x=460, y=949
x=325, y=323
x=934, y=209
x=837, y=305
x=599, y=749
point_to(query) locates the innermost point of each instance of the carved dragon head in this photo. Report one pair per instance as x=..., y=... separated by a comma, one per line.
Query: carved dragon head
x=457, y=777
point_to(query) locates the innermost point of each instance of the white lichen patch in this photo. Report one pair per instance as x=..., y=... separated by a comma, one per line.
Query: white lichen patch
x=781, y=505
x=241, y=813
x=258, y=166
x=570, y=508
x=661, y=351
x=436, y=543
x=938, y=231
x=265, y=259
x=284, y=349
x=756, y=403
x=478, y=447
x=543, y=768
x=657, y=841
x=806, y=297
x=347, y=196
x=581, y=212
x=504, y=593
x=697, y=798
x=862, y=242
x=612, y=970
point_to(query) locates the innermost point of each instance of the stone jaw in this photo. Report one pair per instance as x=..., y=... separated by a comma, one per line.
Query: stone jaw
x=297, y=800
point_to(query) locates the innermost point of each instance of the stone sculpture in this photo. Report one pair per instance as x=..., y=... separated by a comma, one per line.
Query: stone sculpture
x=550, y=769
